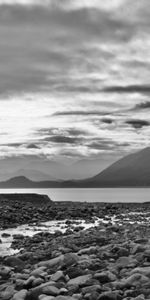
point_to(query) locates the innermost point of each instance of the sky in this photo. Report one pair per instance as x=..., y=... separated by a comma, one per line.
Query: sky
x=74, y=79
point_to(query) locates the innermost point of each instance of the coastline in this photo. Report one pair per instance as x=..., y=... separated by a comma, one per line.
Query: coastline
x=107, y=260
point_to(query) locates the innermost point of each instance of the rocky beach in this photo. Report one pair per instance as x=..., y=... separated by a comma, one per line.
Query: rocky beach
x=94, y=251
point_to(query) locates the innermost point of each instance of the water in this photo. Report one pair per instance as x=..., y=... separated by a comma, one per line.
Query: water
x=91, y=195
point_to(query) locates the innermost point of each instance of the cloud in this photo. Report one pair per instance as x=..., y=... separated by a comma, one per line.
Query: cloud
x=107, y=120
x=104, y=144
x=74, y=73
x=81, y=113
x=144, y=89
x=32, y=146
x=143, y=105
x=138, y=123
x=62, y=139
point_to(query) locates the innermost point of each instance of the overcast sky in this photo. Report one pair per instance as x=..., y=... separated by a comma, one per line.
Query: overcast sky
x=74, y=78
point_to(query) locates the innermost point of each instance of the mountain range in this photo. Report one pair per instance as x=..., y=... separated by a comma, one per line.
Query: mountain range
x=130, y=171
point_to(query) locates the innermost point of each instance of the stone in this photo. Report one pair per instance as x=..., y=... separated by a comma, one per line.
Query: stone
x=52, y=262
x=50, y=290
x=5, y=235
x=91, y=289
x=35, y=292
x=80, y=280
x=5, y=271
x=15, y=262
x=7, y=293
x=110, y=296
x=38, y=271
x=45, y=297
x=142, y=270
x=37, y=282
x=105, y=276
x=21, y=295
x=59, y=275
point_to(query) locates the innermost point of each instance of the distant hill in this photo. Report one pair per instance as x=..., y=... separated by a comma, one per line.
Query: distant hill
x=131, y=170
x=23, y=182
x=35, y=175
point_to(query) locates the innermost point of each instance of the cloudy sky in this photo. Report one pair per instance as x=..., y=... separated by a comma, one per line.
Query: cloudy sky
x=74, y=78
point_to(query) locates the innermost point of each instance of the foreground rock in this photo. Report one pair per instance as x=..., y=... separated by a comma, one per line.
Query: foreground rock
x=107, y=262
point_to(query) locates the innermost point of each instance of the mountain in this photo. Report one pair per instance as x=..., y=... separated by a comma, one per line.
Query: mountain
x=23, y=182
x=34, y=175
x=131, y=170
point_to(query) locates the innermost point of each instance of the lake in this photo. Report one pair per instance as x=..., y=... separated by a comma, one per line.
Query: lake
x=91, y=195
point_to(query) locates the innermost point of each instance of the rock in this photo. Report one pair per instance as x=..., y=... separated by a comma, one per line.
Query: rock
x=65, y=298
x=5, y=235
x=28, y=282
x=37, y=282
x=59, y=275
x=34, y=293
x=132, y=281
x=15, y=262
x=91, y=289
x=145, y=271
x=105, y=276
x=70, y=259
x=79, y=281
x=52, y=262
x=89, y=250
x=45, y=297
x=5, y=271
x=124, y=262
x=21, y=295
x=38, y=271
x=50, y=290
x=110, y=296
x=8, y=293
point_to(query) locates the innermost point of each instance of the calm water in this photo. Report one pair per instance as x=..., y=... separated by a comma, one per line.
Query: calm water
x=91, y=195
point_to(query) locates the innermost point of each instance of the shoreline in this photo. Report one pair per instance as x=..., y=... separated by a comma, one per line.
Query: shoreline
x=108, y=261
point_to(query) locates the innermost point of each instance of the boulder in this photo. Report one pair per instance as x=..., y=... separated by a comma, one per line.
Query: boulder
x=80, y=280
x=21, y=295
x=52, y=262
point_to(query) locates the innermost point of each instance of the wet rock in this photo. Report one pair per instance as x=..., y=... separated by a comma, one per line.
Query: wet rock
x=5, y=272
x=110, y=296
x=105, y=276
x=5, y=235
x=79, y=281
x=15, y=262
x=7, y=293
x=21, y=295
x=38, y=271
x=52, y=262
x=59, y=275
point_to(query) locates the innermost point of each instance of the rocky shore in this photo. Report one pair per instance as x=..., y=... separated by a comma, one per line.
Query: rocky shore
x=110, y=261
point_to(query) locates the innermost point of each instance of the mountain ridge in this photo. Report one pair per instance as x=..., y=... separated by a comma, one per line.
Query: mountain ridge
x=132, y=170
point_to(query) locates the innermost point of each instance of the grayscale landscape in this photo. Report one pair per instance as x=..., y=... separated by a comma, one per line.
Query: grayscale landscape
x=74, y=150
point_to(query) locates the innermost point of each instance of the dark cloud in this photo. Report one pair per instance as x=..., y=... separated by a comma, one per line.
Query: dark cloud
x=107, y=144
x=12, y=144
x=81, y=113
x=76, y=132
x=107, y=120
x=143, y=105
x=137, y=123
x=32, y=146
x=144, y=89
x=38, y=44
x=59, y=139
